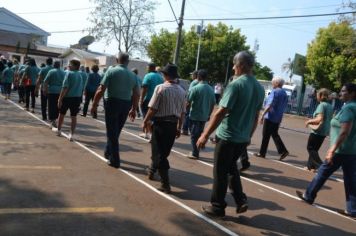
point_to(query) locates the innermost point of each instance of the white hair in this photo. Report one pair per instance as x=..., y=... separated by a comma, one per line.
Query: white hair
x=278, y=80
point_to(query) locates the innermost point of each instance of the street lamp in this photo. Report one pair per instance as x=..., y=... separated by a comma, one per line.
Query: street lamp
x=199, y=30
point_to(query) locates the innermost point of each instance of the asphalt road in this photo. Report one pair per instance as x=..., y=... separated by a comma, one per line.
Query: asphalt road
x=50, y=186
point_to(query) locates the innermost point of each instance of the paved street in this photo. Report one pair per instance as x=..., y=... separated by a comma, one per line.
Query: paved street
x=50, y=186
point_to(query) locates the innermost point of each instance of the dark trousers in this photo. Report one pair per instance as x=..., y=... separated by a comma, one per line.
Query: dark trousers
x=88, y=97
x=196, y=129
x=271, y=129
x=348, y=163
x=314, y=143
x=186, y=123
x=7, y=88
x=43, y=105
x=162, y=140
x=244, y=158
x=30, y=91
x=116, y=112
x=226, y=173
x=53, y=106
x=21, y=92
x=144, y=108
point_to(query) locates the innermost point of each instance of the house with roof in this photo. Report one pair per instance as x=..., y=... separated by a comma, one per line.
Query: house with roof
x=20, y=39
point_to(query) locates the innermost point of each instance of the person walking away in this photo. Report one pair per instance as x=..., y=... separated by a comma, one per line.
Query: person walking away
x=29, y=80
x=341, y=153
x=166, y=111
x=39, y=86
x=218, y=91
x=70, y=97
x=186, y=124
x=8, y=77
x=149, y=83
x=201, y=100
x=271, y=118
x=52, y=86
x=91, y=86
x=321, y=117
x=19, y=80
x=235, y=119
x=121, y=92
x=135, y=71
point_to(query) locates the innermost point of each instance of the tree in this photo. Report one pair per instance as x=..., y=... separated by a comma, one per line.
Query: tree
x=125, y=21
x=331, y=56
x=263, y=72
x=161, y=47
x=348, y=5
x=287, y=68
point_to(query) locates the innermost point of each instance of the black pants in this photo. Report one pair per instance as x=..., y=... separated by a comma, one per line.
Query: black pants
x=314, y=143
x=162, y=140
x=226, y=173
x=53, y=106
x=88, y=97
x=7, y=88
x=30, y=91
x=144, y=107
x=21, y=92
x=271, y=129
x=43, y=105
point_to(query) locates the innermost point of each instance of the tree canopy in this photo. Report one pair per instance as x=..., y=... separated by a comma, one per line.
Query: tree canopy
x=126, y=21
x=218, y=46
x=331, y=57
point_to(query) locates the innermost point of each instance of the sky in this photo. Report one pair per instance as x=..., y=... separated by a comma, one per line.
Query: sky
x=278, y=40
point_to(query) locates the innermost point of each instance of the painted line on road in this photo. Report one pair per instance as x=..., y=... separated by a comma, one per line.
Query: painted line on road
x=170, y=198
x=30, y=167
x=15, y=143
x=20, y=126
x=57, y=210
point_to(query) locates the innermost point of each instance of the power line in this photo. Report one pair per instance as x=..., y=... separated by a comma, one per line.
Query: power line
x=55, y=11
x=270, y=17
x=174, y=14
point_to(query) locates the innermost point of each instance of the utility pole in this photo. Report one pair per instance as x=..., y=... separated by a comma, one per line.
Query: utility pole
x=199, y=31
x=180, y=26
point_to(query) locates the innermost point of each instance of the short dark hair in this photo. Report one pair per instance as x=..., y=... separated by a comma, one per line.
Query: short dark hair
x=32, y=62
x=244, y=58
x=350, y=87
x=9, y=64
x=75, y=64
x=134, y=70
x=57, y=64
x=95, y=68
x=202, y=74
x=123, y=58
x=49, y=61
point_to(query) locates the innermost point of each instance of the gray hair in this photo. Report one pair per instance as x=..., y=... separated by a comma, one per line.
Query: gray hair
x=244, y=58
x=278, y=80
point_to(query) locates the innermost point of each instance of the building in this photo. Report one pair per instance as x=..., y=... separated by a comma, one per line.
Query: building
x=20, y=39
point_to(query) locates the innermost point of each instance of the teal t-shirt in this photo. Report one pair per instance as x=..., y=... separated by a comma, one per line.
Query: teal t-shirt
x=345, y=115
x=243, y=98
x=32, y=73
x=151, y=80
x=74, y=82
x=84, y=77
x=201, y=98
x=8, y=75
x=119, y=83
x=193, y=83
x=43, y=71
x=55, y=78
x=327, y=110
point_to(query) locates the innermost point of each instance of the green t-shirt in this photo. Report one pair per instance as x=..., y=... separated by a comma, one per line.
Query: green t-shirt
x=243, y=98
x=8, y=75
x=327, y=110
x=346, y=114
x=74, y=82
x=192, y=84
x=150, y=81
x=119, y=83
x=44, y=71
x=201, y=98
x=32, y=73
x=55, y=78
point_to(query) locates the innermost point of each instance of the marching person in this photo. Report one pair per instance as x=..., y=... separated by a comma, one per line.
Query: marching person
x=41, y=76
x=29, y=78
x=91, y=86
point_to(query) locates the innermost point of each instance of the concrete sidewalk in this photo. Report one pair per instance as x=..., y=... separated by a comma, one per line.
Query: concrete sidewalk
x=294, y=122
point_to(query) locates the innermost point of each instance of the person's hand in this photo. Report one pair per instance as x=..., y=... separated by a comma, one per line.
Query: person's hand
x=307, y=123
x=178, y=133
x=132, y=115
x=59, y=104
x=329, y=156
x=147, y=126
x=261, y=120
x=202, y=141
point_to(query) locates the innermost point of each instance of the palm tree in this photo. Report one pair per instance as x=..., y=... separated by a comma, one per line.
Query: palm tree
x=287, y=67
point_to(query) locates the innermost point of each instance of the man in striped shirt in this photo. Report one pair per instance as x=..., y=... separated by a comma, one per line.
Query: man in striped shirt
x=166, y=110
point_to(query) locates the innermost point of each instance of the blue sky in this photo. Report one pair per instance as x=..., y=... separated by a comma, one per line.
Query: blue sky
x=278, y=39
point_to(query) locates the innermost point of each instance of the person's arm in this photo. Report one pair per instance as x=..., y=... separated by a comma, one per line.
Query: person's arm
x=143, y=94
x=64, y=91
x=344, y=133
x=38, y=82
x=98, y=95
x=255, y=123
x=147, y=123
x=135, y=98
x=179, y=124
x=213, y=124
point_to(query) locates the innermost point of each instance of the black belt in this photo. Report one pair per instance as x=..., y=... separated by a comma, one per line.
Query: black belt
x=173, y=119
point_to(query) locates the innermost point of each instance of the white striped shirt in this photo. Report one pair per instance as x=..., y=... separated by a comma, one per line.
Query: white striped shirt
x=168, y=99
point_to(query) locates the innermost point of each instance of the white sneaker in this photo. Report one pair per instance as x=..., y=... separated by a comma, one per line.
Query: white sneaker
x=58, y=131
x=70, y=137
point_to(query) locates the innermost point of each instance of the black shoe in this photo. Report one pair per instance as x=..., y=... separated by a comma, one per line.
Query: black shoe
x=166, y=188
x=213, y=211
x=242, y=207
x=114, y=164
x=302, y=197
x=150, y=174
x=345, y=213
x=284, y=155
x=245, y=166
x=259, y=155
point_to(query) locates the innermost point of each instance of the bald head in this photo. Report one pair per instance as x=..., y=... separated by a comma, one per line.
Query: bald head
x=244, y=59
